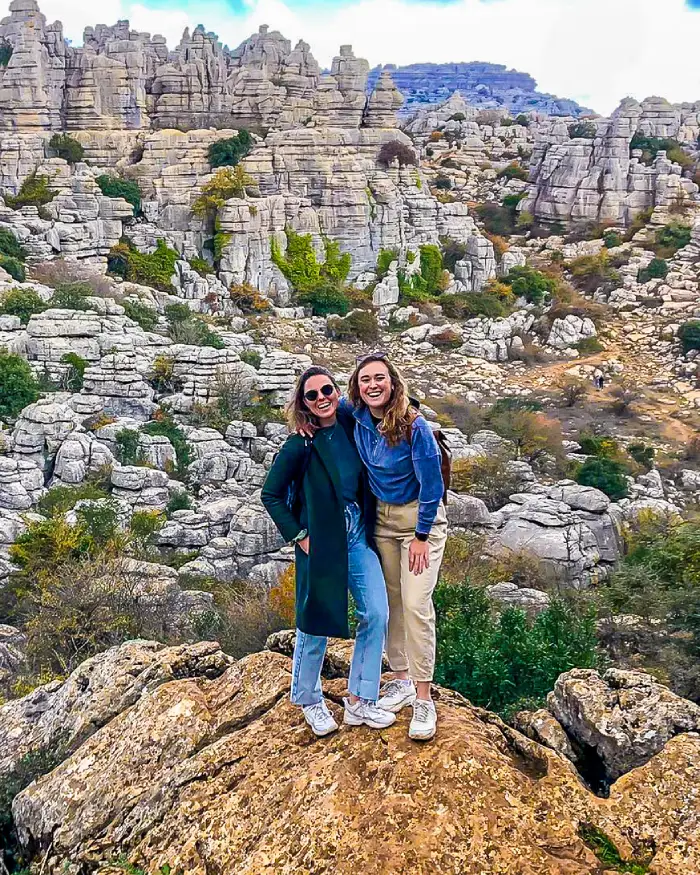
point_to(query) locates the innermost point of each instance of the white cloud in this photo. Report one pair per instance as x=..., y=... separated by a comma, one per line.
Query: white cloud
x=596, y=52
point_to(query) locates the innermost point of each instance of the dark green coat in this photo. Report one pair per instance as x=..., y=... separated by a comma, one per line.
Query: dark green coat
x=322, y=576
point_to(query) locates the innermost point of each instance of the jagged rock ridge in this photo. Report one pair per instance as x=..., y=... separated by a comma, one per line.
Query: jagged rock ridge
x=484, y=85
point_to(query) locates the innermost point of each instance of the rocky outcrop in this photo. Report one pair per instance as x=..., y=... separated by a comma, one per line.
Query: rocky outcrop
x=601, y=179
x=237, y=752
x=121, y=79
x=484, y=85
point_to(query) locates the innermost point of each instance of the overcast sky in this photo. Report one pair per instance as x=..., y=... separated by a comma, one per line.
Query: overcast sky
x=594, y=51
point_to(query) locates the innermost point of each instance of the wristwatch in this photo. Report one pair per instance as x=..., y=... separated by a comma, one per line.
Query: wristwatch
x=421, y=536
x=300, y=537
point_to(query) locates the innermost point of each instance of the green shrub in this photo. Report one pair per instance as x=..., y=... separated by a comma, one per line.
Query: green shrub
x=359, y=326
x=499, y=661
x=384, y=260
x=604, y=474
x=23, y=303
x=248, y=299
x=193, y=331
x=585, y=130
x=252, y=358
x=73, y=380
x=71, y=296
x=593, y=272
x=467, y=306
x=669, y=239
x=166, y=426
x=34, y=192
x=142, y=314
x=513, y=171
x=67, y=147
x=651, y=146
x=227, y=183
x=457, y=117
x=5, y=53
x=127, y=448
x=321, y=286
x=641, y=220
x=531, y=284
x=18, y=386
x=178, y=501
x=60, y=499
x=606, y=851
x=612, y=238
x=153, y=269
x=14, y=267
x=201, y=265
x=642, y=454
x=177, y=313
x=689, y=335
x=229, y=151
x=10, y=245
x=501, y=220
x=442, y=182
x=656, y=269
x=114, y=186
x=523, y=120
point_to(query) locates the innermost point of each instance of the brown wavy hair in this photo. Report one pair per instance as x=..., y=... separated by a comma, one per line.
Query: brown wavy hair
x=299, y=417
x=399, y=414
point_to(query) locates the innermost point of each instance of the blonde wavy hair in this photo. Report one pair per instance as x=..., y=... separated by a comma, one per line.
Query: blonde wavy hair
x=399, y=414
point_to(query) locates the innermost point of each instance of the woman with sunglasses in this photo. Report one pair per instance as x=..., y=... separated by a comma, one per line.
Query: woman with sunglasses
x=318, y=496
x=403, y=461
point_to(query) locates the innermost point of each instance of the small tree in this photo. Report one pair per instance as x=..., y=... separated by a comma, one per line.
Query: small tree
x=34, y=191
x=227, y=183
x=228, y=152
x=656, y=269
x=141, y=313
x=395, y=150
x=513, y=171
x=604, y=474
x=67, y=147
x=18, y=387
x=23, y=303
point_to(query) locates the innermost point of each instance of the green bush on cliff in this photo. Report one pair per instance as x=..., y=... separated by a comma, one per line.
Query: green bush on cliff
x=229, y=151
x=23, y=303
x=10, y=245
x=153, y=269
x=319, y=285
x=142, y=314
x=34, y=192
x=669, y=239
x=67, y=147
x=18, y=386
x=498, y=662
x=531, y=284
x=114, y=186
x=604, y=474
x=689, y=335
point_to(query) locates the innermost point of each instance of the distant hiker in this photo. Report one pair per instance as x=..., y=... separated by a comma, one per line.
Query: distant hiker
x=317, y=492
x=598, y=379
x=404, y=462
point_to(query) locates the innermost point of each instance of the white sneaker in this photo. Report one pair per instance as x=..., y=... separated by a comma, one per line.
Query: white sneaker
x=367, y=713
x=396, y=694
x=319, y=718
x=424, y=721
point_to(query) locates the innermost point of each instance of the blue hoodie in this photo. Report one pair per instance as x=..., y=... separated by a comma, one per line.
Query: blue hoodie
x=403, y=473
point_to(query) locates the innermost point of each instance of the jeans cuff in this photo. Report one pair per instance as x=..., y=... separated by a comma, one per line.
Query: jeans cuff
x=365, y=689
x=311, y=699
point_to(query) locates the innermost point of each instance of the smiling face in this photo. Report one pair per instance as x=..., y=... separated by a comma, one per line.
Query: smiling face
x=375, y=386
x=324, y=401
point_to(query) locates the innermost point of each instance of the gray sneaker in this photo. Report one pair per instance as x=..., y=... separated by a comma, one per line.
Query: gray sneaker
x=424, y=721
x=319, y=718
x=396, y=695
x=367, y=713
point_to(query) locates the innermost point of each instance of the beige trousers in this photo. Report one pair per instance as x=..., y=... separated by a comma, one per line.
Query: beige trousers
x=411, y=636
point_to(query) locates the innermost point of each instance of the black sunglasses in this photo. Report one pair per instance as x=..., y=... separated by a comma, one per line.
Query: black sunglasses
x=326, y=390
x=371, y=357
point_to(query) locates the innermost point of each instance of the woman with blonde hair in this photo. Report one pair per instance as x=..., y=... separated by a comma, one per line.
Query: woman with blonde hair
x=403, y=462
x=318, y=495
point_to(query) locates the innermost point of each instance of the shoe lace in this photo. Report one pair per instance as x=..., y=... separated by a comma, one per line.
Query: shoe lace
x=318, y=711
x=392, y=687
x=421, y=712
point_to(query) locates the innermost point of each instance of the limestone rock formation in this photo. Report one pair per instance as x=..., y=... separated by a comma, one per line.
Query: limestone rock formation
x=602, y=179
x=236, y=752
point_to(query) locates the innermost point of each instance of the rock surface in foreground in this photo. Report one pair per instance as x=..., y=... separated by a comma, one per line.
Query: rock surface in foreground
x=223, y=776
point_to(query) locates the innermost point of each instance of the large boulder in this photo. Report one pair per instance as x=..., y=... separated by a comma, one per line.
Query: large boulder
x=625, y=717
x=224, y=775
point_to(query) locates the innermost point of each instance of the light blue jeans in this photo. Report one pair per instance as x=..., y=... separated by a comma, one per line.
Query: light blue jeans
x=366, y=583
